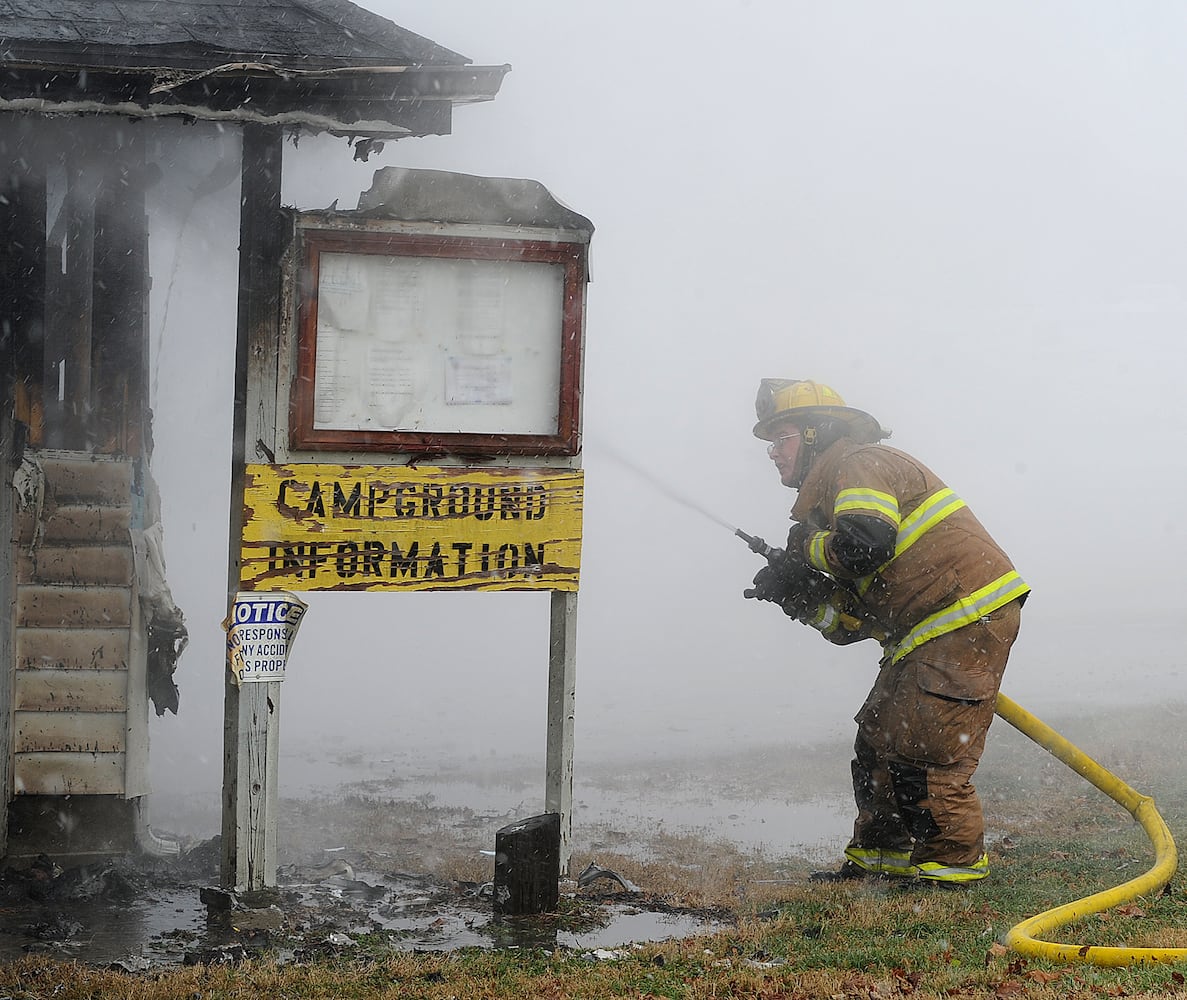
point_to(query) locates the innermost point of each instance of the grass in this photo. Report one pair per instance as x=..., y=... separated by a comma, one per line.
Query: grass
x=1054, y=839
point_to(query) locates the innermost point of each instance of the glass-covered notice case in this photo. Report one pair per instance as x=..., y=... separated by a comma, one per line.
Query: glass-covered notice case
x=438, y=344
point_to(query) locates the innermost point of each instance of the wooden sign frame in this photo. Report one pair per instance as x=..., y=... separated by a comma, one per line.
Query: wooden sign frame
x=562, y=440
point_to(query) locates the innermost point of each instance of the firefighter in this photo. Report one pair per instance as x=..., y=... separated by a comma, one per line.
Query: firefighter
x=905, y=562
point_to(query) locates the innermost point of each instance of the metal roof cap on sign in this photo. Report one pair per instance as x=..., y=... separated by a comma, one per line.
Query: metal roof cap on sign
x=407, y=195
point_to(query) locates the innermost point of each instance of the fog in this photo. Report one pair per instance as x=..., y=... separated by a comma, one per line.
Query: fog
x=968, y=219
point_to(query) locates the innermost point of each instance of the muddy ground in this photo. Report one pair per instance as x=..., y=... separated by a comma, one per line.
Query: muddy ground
x=398, y=848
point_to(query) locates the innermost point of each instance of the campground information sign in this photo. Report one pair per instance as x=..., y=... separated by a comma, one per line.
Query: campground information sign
x=332, y=527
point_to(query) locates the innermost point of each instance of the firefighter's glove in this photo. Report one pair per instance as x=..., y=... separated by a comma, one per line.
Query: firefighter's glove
x=797, y=536
x=781, y=580
x=767, y=586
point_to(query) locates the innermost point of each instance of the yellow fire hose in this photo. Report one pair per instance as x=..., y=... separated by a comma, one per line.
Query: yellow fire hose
x=1024, y=937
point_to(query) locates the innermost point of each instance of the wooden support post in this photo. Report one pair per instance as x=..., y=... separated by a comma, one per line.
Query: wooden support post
x=562, y=675
x=251, y=717
x=22, y=309
x=7, y=589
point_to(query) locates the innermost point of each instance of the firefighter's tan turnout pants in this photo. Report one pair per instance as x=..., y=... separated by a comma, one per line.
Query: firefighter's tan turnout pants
x=920, y=736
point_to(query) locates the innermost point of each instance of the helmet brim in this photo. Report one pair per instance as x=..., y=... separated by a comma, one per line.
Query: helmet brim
x=862, y=426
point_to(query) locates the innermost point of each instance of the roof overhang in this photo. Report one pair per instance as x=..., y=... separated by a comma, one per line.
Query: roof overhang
x=384, y=102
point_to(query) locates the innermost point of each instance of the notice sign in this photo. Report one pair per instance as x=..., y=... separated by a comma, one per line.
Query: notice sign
x=333, y=527
x=260, y=631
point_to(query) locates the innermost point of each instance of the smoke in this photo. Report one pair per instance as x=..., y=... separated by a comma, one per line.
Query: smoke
x=193, y=257
x=992, y=265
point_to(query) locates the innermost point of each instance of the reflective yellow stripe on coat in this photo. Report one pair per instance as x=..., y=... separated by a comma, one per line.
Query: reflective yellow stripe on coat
x=1006, y=588
x=873, y=501
x=915, y=525
x=925, y=517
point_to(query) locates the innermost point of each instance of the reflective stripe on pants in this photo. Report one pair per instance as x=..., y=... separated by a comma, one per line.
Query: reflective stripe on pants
x=881, y=861
x=936, y=872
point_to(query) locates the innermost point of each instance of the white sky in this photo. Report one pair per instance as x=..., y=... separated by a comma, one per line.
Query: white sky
x=968, y=219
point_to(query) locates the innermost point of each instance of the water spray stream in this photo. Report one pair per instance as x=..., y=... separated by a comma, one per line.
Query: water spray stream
x=662, y=487
x=756, y=544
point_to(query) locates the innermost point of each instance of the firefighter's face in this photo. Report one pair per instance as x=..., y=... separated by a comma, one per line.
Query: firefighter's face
x=784, y=450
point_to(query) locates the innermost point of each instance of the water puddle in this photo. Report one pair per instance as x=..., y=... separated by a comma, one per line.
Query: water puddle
x=629, y=928
x=87, y=915
x=153, y=931
x=429, y=914
x=116, y=912
x=358, y=828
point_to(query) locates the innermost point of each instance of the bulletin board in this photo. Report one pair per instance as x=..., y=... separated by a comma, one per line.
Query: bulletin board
x=438, y=344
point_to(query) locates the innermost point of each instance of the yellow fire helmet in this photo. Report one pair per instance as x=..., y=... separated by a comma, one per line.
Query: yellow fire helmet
x=809, y=403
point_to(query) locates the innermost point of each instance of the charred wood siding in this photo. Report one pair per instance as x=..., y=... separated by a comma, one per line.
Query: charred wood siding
x=75, y=712
x=74, y=295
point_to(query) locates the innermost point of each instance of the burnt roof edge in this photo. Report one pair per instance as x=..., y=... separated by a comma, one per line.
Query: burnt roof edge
x=159, y=93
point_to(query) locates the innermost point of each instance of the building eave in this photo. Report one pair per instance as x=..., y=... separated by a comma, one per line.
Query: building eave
x=372, y=101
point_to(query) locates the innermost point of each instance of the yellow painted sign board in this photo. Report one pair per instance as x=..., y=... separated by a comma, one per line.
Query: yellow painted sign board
x=334, y=527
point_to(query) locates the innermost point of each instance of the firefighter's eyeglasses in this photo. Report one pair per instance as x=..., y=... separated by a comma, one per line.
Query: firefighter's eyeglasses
x=777, y=443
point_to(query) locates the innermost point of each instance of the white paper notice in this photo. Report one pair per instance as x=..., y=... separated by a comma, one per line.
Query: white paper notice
x=327, y=390
x=343, y=299
x=391, y=383
x=397, y=298
x=481, y=381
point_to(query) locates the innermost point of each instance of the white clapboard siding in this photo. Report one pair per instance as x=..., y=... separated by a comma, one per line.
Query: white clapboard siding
x=77, y=712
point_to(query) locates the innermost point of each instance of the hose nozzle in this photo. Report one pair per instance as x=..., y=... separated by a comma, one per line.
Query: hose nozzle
x=756, y=544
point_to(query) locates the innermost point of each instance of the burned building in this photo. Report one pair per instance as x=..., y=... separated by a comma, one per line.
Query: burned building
x=89, y=633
